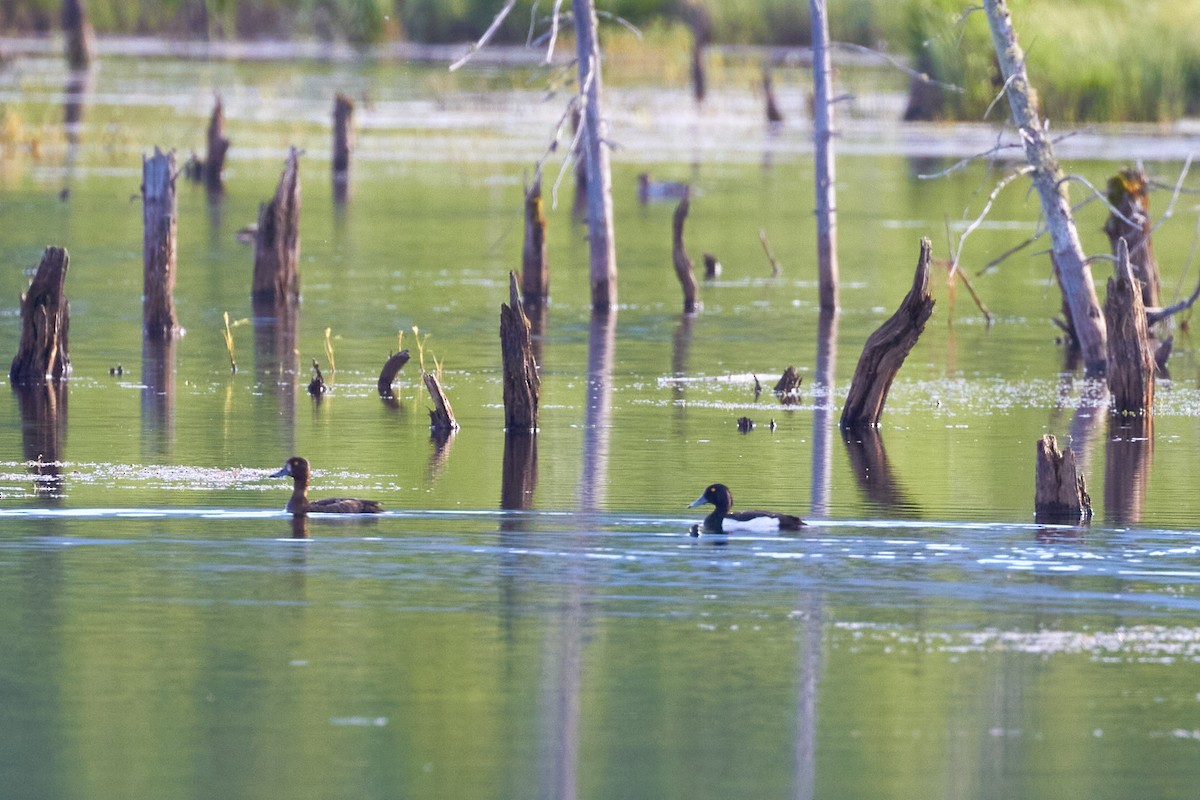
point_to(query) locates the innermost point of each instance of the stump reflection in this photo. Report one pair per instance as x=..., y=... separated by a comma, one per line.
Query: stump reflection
x=43, y=408
x=1128, y=456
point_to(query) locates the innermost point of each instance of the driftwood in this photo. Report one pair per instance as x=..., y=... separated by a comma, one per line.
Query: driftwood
x=45, y=318
x=159, y=220
x=535, y=270
x=277, y=241
x=774, y=115
x=886, y=349
x=441, y=416
x=788, y=387
x=79, y=33
x=1131, y=363
x=387, y=376
x=1128, y=193
x=343, y=142
x=683, y=264
x=521, y=382
x=1059, y=493
x=823, y=160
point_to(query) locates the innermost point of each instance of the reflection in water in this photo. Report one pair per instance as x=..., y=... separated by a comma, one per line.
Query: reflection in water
x=1128, y=456
x=808, y=668
x=1086, y=422
x=158, y=397
x=602, y=332
x=43, y=433
x=276, y=362
x=442, y=439
x=680, y=344
x=519, y=479
x=300, y=526
x=823, y=412
x=868, y=459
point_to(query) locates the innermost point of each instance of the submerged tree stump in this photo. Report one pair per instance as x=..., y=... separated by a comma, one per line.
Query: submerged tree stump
x=683, y=264
x=45, y=318
x=159, y=220
x=535, y=270
x=1131, y=364
x=1059, y=494
x=1128, y=193
x=79, y=33
x=343, y=142
x=886, y=349
x=277, y=241
x=521, y=382
x=441, y=416
x=387, y=376
x=788, y=387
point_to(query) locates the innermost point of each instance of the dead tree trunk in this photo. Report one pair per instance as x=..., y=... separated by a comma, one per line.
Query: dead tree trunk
x=218, y=146
x=823, y=133
x=1131, y=363
x=277, y=244
x=535, y=270
x=774, y=115
x=79, y=34
x=594, y=142
x=441, y=416
x=1059, y=494
x=1075, y=275
x=683, y=264
x=700, y=21
x=45, y=319
x=886, y=349
x=1128, y=192
x=521, y=381
x=388, y=374
x=159, y=220
x=343, y=141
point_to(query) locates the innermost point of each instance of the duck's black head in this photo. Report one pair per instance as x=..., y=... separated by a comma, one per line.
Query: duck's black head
x=296, y=467
x=718, y=494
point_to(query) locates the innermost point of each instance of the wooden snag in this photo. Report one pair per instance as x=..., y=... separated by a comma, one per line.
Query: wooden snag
x=774, y=115
x=277, y=241
x=1131, y=363
x=1129, y=194
x=159, y=220
x=1059, y=493
x=787, y=389
x=699, y=19
x=387, y=375
x=317, y=386
x=79, y=33
x=683, y=264
x=521, y=382
x=218, y=146
x=343, y=142
x=887, y=347
x=441, y=416
x=712, y=267
x=535, y=270
x=45, y=318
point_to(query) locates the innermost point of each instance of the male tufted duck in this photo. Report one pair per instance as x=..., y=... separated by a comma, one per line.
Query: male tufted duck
x=300, y=504
x=724, y=520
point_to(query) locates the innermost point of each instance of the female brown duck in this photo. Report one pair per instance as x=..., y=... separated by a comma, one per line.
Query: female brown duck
x=300, y=504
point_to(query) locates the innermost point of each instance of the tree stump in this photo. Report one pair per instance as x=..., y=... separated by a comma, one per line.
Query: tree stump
x=787, y=389
x=886, y=349
x=774, y=115
x=521, y=381
x=387, y=375
x=218, y=146
x=1131, y=363
x=1059, y=493
x=45, y=318
x=1128, y=192
x=683, y=264
x=343, y=142
x=535, y=271
x=712, y=267
x=277, y=242
x=159, y=221
x=79, y=33
x=441, y=416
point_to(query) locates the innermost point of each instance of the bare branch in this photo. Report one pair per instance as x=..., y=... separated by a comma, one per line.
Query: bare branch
x=487, y=35
x=620, y=21
x=987, y=207
x=1102, y=197
x=1154, y=315
x=912, y=73
x=927, y=176
x=554, y=17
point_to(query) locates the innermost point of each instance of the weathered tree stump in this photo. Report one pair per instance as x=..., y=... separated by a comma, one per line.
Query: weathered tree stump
x=535, y=270
x=45, y=318
x=521, y=382
x=343, y=142
x=1059, y=493
x=774, y=115
x=277, y=241
x=79, y=33
x=441, y=416
x=218, y=146
x=712, y=267
x=1131, y=363
x=683, y=264
x=159, y=220
x=787, y=389
x=886, y=349
x=1128, y=193
x=387, y=376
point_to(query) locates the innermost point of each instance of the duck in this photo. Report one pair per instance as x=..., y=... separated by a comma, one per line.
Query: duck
x=650, y=191
x=299, y=503
x=722, y=520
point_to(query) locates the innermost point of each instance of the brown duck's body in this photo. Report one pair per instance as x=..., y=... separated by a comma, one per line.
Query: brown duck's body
x=299, y=503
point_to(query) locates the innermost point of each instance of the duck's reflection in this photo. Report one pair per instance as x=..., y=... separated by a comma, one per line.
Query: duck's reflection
x=299, y=526
x=1128, y=456
x=598, y=411
x=158, y=397
x=43, y=408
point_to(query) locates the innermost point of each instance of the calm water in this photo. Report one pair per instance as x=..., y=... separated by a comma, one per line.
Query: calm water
x=551, y=630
